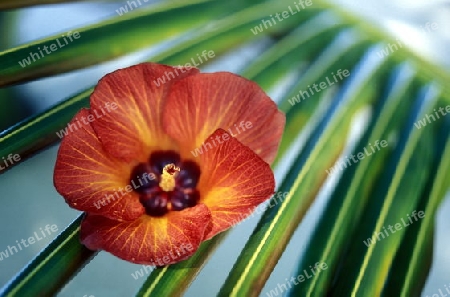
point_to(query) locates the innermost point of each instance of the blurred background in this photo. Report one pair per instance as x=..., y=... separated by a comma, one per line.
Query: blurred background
x=31, y=202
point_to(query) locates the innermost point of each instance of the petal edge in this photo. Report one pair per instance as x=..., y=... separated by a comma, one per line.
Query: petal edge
x=238, y=181
x=84, y=174
x=148, y=240
x=228, y=101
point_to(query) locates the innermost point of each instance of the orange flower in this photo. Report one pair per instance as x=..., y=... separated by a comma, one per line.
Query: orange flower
x=161, y=167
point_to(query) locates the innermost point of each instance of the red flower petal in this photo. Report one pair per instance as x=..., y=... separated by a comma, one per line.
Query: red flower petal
x=199, y=104
x=149, y=240
x=85, y=175
x=234, y=181
x=132, y=130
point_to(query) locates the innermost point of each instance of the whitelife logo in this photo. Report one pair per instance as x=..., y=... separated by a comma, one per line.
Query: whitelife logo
x=53, y=48
x=92, y=117
x=169, y=75
x=392, y=47
x=181, y=250
x=323, y=85
x=422, y=123
x=398, y=227
x=9, y=161
x=129, y=188
x=441, y=294
x=244, y=126
x=299, y=279
x=341, y=165
x=132, y=5
x=281, y=16
x=11, y=250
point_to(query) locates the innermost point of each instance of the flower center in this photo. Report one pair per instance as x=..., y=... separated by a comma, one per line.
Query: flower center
x=166, y=183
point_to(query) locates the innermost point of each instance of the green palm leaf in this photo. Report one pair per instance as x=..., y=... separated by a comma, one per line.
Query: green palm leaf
x=130, y=33
x=303, y=182
x=36, y=277
x=416, y=250
x=396, y=199
x=346, y=204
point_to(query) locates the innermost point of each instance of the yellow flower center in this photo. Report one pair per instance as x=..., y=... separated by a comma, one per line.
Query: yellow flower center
x=166, y=183
x=168, y=175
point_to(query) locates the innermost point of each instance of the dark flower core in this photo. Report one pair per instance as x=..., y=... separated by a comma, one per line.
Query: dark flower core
x=167, y=183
